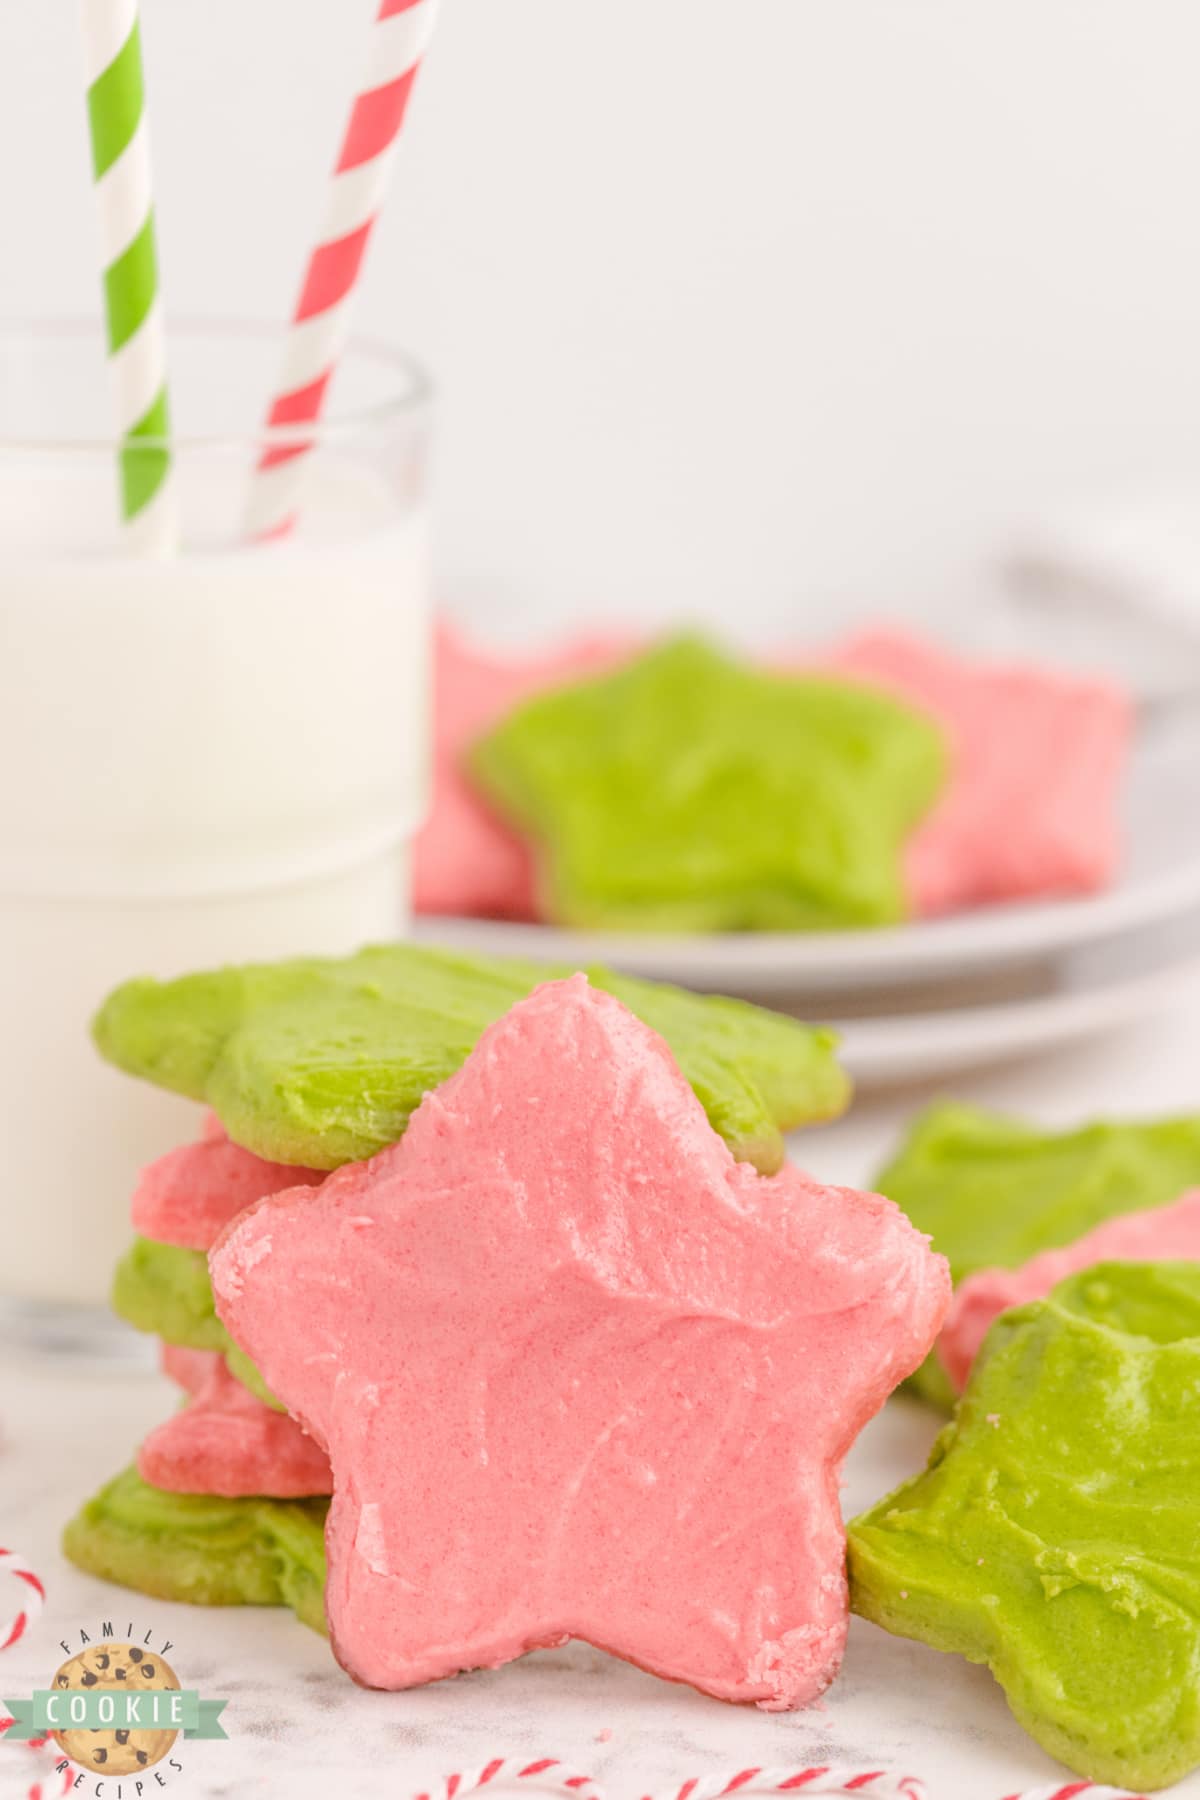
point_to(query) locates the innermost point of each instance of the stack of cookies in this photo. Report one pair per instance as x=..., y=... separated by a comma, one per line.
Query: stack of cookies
x=227, y=1502
x=501, y=1320
x=313, y=1065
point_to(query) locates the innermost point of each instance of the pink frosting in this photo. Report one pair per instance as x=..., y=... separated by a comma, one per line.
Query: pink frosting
x=225, y=1441
x=1031, y=808
x=579, y=1373
x=188, y=1369
x=1159, y=1234
x=188, y=1197
x=466, y=860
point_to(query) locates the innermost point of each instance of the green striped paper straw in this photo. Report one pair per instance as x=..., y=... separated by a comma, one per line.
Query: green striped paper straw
x=125, y=207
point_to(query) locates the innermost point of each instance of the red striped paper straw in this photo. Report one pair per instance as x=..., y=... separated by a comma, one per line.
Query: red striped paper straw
x=320, y=325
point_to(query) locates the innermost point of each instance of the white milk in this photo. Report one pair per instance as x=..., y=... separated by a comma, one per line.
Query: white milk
x=216, y=758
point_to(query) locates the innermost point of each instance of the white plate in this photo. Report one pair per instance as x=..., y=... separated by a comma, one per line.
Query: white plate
x=1088, y=992
x=1160, y=881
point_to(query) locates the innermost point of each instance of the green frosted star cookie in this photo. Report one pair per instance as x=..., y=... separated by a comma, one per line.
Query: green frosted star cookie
x=1054, y=1535
x=165, y=1290
x=208, y=1551
x=993, y=1192
x=321, y=1062
x=688, y=792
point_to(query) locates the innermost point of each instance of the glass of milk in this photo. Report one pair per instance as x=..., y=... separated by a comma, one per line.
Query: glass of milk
x=215, y=756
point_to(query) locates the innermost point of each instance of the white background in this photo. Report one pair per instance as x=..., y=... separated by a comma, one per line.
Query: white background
x=738, y=308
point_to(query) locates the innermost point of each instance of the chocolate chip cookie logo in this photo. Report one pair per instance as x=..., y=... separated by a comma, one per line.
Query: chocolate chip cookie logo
x=109, y=1674
x=116, y=1709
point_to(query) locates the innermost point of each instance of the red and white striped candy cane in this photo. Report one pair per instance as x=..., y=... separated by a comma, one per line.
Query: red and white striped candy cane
x=321, y=322
x=1077, y=1790
x=540, y=1774
x=33, y=1599
x=875, y=1784
x=50, y=1784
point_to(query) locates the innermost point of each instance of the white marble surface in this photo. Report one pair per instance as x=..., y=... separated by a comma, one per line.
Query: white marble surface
x=299, y=1728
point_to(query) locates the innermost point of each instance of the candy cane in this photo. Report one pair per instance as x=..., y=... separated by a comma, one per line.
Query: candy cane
x=1077, y=1790
x=12, y=1629
x=874, y=1783
x=544, y=1775
x=45, y=1788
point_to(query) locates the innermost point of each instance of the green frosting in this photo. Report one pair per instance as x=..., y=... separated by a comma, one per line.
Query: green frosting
x=993, y=1192
x=211, y=1552
x=688, y=792
x=1054, y=1534
x=245, y=1371
x=165, y=1290
x=322, y=1062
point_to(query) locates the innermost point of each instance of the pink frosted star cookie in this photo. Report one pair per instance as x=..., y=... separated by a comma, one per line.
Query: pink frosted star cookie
x=187, y=1197
x=227, y=1442
x=1031, y=808
x=466, y=860
x=579, y=1373
x=1160, y=1234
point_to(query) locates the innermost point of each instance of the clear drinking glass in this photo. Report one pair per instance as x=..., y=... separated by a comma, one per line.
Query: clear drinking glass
x=203, y=758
